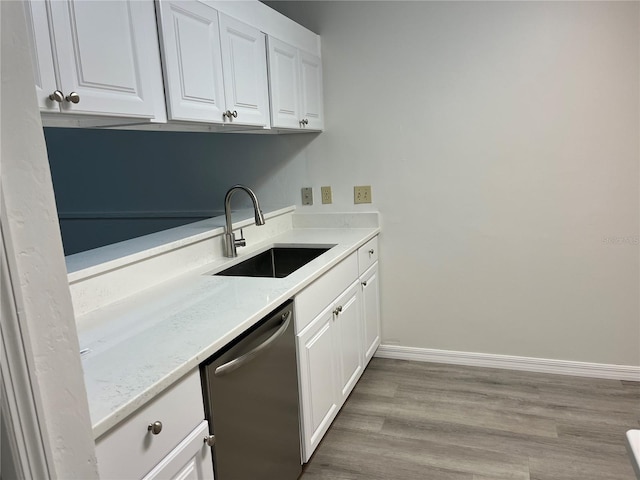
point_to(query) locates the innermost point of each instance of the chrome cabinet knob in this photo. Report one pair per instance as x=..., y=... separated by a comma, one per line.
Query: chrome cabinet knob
x=337, y=310
x=371, y=252
x=57, y=96
x=364, y=284
x=229, y=114
x=304, y=121
x=155, y=427
x=210, y=440
x=73, y=97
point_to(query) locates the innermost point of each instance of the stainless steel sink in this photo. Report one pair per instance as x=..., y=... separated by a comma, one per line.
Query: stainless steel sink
x=277, y=262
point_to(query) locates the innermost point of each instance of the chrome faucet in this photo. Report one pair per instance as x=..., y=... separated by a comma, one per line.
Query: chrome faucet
x=230, y=242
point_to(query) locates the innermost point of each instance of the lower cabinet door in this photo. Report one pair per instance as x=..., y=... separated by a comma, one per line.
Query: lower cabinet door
x=371, y=311
x=190, y=460
x=348, y=329
x=318, y=386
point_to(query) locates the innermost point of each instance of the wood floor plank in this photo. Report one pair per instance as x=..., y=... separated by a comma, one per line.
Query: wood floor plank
x=413, y=420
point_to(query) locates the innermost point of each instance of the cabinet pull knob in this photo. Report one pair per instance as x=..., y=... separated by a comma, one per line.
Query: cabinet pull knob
x=57, y=96
x=304, y=121
x=371, y=252
x=73, y=97
x=364, y=284
x=337, y=310
x=230, y=114
x=210, y=440
x=155, y=427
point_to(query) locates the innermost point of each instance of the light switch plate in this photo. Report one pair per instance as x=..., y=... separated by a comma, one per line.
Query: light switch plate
x=326, y=194
x=307, y=196
x=362, y=194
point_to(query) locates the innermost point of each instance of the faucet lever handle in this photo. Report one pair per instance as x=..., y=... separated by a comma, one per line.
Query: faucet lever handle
x=241, y=242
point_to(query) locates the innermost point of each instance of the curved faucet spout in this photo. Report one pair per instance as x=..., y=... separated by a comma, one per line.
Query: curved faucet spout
x=231, y=243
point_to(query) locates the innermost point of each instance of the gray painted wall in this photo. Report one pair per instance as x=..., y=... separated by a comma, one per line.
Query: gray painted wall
x=501, y=141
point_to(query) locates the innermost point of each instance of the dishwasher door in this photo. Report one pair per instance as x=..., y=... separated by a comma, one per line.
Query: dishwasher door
x=251, y=402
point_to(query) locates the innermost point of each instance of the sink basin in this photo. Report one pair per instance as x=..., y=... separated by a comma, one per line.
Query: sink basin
x=277, y=262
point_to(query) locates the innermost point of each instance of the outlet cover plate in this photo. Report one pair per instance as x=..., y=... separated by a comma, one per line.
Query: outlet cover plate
x=362, y=194
x=307, y=196
x=326, y=195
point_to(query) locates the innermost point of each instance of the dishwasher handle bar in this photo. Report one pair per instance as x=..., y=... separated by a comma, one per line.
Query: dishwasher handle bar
x=247, y=357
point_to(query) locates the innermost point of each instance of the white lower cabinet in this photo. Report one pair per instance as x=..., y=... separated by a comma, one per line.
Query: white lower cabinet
x=347, y=326
x=338, y=331
x=330, y=355
x=370, y=311
x=318, y=379
x=190, y=460
x=330, y=364
x=163, y=439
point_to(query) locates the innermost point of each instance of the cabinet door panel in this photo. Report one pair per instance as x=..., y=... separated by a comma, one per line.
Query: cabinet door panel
x=371, y=311
x=190, y=460
x=317, y=380
x=42, y=54
x=193, y=63
x=349, y=339
x=104, y=51
x=284, y=84
x=311, y=81
x=244, y=63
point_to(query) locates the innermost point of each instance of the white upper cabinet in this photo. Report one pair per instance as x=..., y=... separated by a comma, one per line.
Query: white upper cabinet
x=284, y=84
x=190, y=36
x=214, y=65
x=244, y=67
x=42, y=57
x=96, y=57
x=311, y=81
x=295, y=87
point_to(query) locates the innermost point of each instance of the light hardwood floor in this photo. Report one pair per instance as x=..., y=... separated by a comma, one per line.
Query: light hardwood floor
x=411, y=420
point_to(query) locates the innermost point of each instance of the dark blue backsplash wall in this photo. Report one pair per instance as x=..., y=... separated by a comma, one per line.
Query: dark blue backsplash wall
x=111, y=185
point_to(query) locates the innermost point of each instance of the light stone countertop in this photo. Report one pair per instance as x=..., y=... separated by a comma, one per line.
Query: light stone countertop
x=141, y=345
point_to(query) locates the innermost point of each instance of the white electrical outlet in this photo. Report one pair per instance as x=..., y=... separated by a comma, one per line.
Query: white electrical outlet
x=307, y=196
x=326, y=194
x=362, y=194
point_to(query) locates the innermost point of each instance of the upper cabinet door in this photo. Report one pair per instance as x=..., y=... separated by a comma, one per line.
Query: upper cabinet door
x=244, y=66
x=311, y=80
x=104, y=51
x=42, y=57
x=284, y=84
x=190, y=40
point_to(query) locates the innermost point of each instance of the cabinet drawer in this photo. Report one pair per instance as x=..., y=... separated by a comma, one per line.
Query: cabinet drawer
x=313, y=299
x=130, y=450
x=367, y=255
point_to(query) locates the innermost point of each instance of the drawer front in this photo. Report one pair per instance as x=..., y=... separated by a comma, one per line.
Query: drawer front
x=367, y=255
x=315, y=298
x=130, y=450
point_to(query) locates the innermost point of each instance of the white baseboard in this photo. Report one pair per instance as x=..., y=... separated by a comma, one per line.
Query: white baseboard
x=529, y=364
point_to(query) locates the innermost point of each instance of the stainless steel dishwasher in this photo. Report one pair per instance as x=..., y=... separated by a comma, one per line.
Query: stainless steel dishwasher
x=251, y=402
